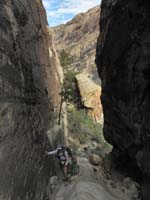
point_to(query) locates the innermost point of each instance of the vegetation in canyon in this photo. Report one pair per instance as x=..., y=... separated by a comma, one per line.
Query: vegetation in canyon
x=81, y=126
x=65, y=58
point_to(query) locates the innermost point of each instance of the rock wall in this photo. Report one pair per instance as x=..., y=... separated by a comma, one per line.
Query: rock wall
x=26, y=100
x=56, y=76
x=90, y=96
x=123, y=57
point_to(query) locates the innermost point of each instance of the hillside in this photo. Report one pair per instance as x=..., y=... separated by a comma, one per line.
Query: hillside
x=76, y=42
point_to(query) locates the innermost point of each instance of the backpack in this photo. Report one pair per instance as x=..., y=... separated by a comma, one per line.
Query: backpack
x=61, y=154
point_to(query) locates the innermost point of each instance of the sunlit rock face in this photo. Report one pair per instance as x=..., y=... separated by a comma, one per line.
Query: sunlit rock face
x=54, y=75
x=123, y=57
x=78, y=38
x=90, y=96
x=26, y=103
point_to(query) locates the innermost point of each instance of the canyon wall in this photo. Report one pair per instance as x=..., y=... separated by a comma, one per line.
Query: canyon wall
x=27, y=102
x=123, y=60
x=78, y=39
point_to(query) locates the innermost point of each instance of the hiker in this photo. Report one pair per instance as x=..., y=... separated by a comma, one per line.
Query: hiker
x=65, y=159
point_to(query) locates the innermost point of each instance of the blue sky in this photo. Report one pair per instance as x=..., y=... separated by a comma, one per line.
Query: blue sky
x=61, y=11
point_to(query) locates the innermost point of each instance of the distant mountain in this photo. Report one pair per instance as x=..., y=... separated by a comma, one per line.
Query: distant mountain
x=76, y=42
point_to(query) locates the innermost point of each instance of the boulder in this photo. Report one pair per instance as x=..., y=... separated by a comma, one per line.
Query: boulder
x=90, y=96
x=95, y=159
x=54, y=180
x=131, y=187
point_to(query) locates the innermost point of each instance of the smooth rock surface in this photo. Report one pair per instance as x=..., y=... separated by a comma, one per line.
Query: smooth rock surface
x=123, y=57
x=25, y=100
x=83, y=187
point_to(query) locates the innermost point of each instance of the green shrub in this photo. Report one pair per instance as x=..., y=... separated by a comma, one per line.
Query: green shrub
x=82, y=127
x=65, y=58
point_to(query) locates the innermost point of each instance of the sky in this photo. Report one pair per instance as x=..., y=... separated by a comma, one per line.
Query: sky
x=61, y=11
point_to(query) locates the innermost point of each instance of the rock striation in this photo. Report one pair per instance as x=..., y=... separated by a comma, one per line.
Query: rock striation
x=123, y=57
x=55, y=74
x=90, y=96
x=78, y=39
x=26, y=99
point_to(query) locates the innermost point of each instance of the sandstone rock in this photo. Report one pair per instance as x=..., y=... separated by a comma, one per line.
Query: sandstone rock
x=26, y=101
x=90, y=96
x=95, y=159
x=54, y=180
x=78, y=38
x=131, y=188
x=123, y=57
x=55, y=74
x=51, y=187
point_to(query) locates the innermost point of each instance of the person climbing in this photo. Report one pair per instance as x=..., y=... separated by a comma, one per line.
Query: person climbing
x=65, y=159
